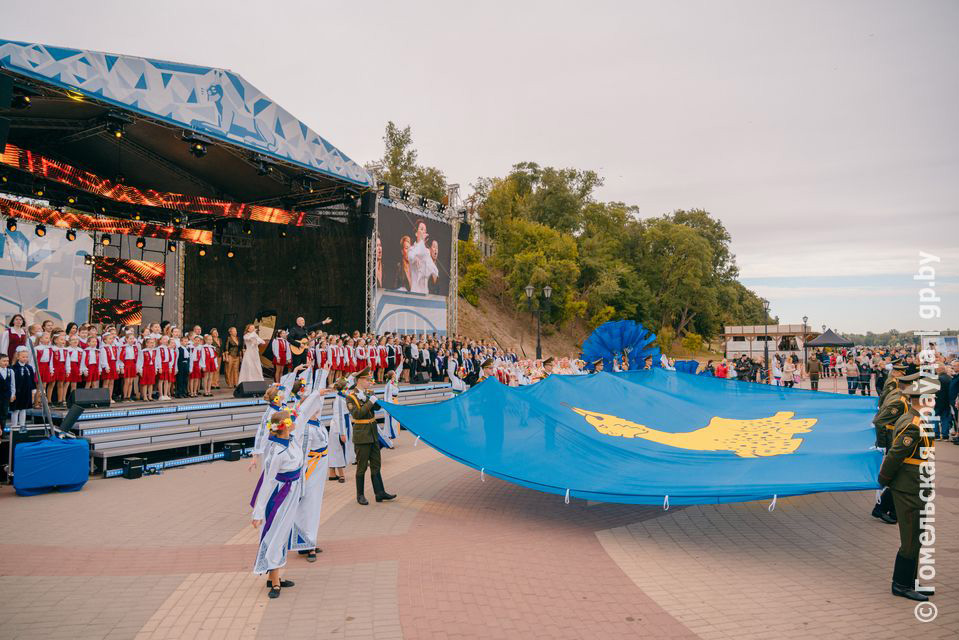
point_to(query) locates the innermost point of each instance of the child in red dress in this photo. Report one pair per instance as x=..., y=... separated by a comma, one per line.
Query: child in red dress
x=111, y=354
x=211, y=365
x=92, y=364
x=45, y=363
x=166, y=357
x=148, y=369
x=129, y=364
x=196, y=367
x=60, y=375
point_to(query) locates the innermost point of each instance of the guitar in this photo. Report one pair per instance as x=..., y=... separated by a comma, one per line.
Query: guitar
x=303, y=344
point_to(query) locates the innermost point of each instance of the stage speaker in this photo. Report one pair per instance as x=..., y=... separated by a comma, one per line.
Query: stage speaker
x=464, y=233
x=250, y=389
x=4, y=132
x=6, y=91
x=368, y=203
x=232, y=451
x=72, y=416
x=133, y=468
x=421, y=378
x=99, y=397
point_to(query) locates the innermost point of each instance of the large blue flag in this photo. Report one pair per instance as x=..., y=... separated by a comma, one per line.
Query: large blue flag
x=640, y=436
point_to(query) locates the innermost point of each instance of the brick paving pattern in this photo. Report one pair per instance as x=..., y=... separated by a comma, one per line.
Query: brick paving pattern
x=169, y=556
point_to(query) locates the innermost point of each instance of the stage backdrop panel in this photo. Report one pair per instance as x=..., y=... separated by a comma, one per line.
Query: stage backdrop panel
x=410, y=313
x=125, y=312
x=44, y=278
x=413, y=252
x=125, y=271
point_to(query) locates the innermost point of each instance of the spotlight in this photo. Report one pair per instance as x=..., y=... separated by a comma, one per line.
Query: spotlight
x=141, y=243
x=105, y=240
x=38, y=190
x=198, y=149
x=171, y=246
x=177, y=219
x=4, y=178
x=103, y=209
x=20, y=102
x=116, y=128
x=282, y=233
x=136, y=215
x=71, y=235
x=248, y=229
x=11, y=224
x=40, y=230
x=71, y=200
x=202, y=252
x=159, y=291
x=88, y=259
x=230, y=254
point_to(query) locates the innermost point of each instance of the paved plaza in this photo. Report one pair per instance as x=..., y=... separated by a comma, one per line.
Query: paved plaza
x=169, y=556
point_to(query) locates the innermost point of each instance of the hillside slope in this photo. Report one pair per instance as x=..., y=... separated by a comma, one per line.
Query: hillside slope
x=509, y=329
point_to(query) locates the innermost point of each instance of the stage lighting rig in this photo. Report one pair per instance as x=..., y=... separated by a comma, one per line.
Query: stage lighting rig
x=71, y=199
x=229, y=253
x=141, y=242
x=160, y=291
x=248, y=229
x=20, y=102
x=71, y=235
x=116, y=128
x=202, y=252
x=40, y=230
x=171, y=246
x=11, y=224
x=198, y=149
x=38, y=190
x=105, y=240
x=88, y=259
x=115, y=123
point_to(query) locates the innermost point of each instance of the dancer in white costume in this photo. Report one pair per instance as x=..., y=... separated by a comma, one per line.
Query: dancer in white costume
x=390, y=426
x=276, y=504
x=316, y=445
x=342, y=452
x=276, y=500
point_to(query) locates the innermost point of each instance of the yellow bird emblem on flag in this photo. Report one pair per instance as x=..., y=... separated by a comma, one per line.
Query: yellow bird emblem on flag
x=759, y=438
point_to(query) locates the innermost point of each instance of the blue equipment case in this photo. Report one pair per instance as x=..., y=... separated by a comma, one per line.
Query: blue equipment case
x=52, y=463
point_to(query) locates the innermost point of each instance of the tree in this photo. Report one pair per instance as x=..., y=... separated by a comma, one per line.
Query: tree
x=398, y=166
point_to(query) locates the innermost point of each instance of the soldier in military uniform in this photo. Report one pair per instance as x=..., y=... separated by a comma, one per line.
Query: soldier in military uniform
x=900, y=472
x=598, y=365
x=898, y=369
x=890, y=410
x=362, y=406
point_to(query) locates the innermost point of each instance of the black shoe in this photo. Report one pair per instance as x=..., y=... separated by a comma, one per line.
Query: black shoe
x=341, y=480
x=906, y=592
x=385, y=496
x=362, y=499
x=360, y=482
x=311, y=556
x=274, y=592
x=882, y=515
x=283, y=583
x=378, y=490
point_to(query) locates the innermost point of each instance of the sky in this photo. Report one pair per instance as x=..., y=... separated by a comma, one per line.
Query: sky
x=822, y=133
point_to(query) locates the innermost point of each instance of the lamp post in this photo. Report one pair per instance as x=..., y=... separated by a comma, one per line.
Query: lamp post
x=766, y=337
x=805, y=337
x=545, y=302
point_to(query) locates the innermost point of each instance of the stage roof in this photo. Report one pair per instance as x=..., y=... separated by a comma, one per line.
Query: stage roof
x=216, y=104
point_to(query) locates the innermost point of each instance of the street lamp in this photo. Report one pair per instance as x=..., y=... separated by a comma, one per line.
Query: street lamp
x=805, y=338
x=766, y=339
x=547, y=294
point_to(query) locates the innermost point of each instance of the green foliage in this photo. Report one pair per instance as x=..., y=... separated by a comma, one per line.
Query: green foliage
x=603, y=261
x=665, y=338
x=398, y=166
x=532, y=253
x=473, y=274
x=692, y=342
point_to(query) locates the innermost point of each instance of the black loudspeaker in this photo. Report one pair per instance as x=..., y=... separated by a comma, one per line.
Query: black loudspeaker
x=232, y=451
x=132, y=468
x=6, y=91
x=4, y=132
x=98, y=397
x=464, y=233
x=368, y=203
x=421, y=378
x=71, y=418
x=250, y=389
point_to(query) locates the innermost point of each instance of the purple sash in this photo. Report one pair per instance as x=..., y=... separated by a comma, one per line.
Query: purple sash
x=259, y=483
x=286, y=480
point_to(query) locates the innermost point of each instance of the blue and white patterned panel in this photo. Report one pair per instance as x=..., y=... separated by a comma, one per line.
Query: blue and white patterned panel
x=44, y=278
x=215, y=102
x=410, y=313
